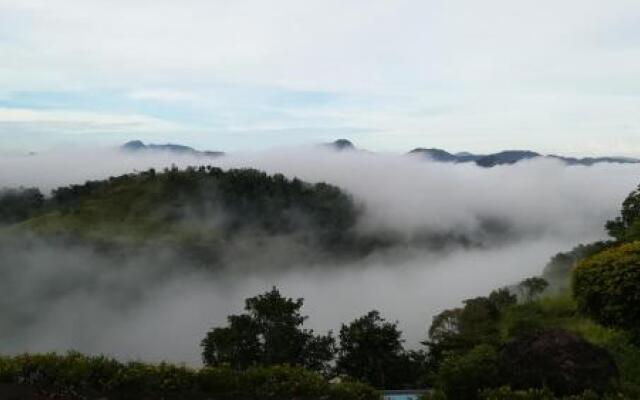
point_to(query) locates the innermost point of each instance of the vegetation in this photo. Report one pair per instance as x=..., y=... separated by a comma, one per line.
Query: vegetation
x=269, y=333
x=462, y=374
x=558, y=270
x=19, y=204
x=574, y=342
x=463, y=364
x=77, y=376
x=607, y=287
x=558, y=360
x=371, y=351
x=626, y=227
x=578, y=341
x=204, y=215
x=533, y=287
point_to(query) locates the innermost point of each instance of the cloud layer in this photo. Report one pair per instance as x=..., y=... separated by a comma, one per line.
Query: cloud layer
x=146, y=308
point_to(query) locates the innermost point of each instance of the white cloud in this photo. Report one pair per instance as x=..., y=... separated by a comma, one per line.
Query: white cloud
x=168, y=95
x=76, y=121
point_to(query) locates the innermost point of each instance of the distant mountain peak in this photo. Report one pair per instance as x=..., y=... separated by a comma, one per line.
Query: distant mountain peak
x=341, y=145
x=133, y=145
x=138, y=145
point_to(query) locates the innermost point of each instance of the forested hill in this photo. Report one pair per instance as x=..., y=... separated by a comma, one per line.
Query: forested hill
x=202, y=209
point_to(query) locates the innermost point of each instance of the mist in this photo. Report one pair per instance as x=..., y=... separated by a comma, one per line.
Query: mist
x=152, y=307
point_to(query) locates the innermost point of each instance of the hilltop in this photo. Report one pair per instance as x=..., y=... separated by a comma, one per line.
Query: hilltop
x=202, y=213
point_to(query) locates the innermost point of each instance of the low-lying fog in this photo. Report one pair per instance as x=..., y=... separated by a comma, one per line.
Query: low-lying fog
x=136, y=311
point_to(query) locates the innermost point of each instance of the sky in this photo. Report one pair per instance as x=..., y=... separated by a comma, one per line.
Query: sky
x=237, y=75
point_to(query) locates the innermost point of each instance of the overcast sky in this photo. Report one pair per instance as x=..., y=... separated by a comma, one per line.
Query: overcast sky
x=552, y=76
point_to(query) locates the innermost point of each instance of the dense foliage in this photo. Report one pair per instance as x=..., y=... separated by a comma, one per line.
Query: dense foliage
x=19, y=204
x=371, y=351
x=559, y=360
x=558, y=270
x=204, y=215
x=80, y=376
x=461, y=329
x=462, y=374
x=481, y=345
x=626, y=227
x=270, y=333
x=607, y=287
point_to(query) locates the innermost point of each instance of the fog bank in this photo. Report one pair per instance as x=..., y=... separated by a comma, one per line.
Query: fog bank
x=71, y=298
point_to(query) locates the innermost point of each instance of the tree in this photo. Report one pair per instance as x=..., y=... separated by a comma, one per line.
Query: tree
x=626, y=227
x=371, y=351
x=531, y=288
x=460, y=329
x=558, y=270
x=502, y=298
x=269, y=333
x=606, y=287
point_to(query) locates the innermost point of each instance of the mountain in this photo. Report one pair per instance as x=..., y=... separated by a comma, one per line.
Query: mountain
x=506, y=157
x=435, y=154
x=509, y=157
x=139, y=146
x=341, y=145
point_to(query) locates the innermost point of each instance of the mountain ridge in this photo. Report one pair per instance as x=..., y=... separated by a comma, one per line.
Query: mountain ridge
x=488, y=160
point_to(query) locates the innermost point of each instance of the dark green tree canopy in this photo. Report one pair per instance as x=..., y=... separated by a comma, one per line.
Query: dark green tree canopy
x=371, y=350
x=269, y=333
x=626, y=227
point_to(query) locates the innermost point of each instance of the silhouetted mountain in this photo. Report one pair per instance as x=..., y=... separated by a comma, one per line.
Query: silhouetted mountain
x=341, y=145
x=137, y=145
x=435, y=154
x=509, y=157
x=505, y=157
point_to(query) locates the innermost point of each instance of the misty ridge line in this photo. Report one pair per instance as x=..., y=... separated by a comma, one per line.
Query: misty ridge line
x=86, y=298
x=504, y=157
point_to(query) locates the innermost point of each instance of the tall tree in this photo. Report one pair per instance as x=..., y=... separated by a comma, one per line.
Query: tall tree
x=269, y=333
x=371, y=351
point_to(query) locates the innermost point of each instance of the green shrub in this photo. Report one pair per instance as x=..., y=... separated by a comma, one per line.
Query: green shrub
x=522, y=319
x=606, y=287
x=352, y=391
x=283, y=382
x=506, y=393
x=463, y=376
x=134, y=380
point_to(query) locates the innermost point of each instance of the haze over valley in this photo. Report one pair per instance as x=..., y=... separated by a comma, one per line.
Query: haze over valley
x=423, y=233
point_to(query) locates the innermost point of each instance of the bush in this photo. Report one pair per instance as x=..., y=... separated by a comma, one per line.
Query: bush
x=522, y=319
x=352, y=391
x=104, y=377
x=506, y=393
x=559, y=360
x=463, y=376
x=606, y=287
